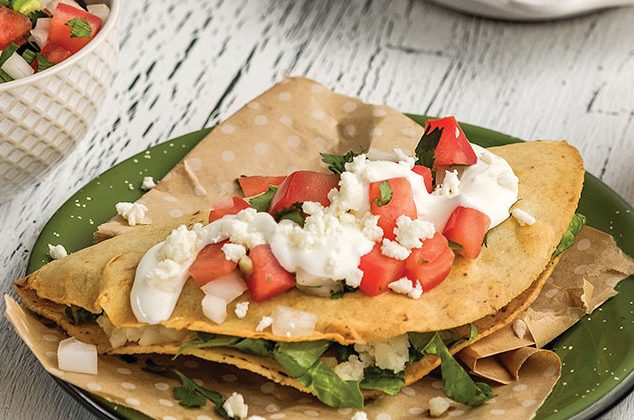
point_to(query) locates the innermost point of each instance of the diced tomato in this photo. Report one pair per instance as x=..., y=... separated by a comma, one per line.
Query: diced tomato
x=268, y=278
x=401, y=204
x=54, y=53
x=60, y=34
x=14, y=27
x=453, y=147
x=467, y=227
x=431, y=263
x=238, y=204
x=254, y=185
x=379, y=271
x=303, y=186
x=425, y=172
x=210, y=264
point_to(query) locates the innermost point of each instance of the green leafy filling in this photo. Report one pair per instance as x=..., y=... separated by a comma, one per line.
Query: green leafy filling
x=79, y=316
x=337, y=163
x=262, y=202
x=383, y=380
x=293, y=213
x=385, y=194
x=80, y=28
x=576, y=224
x=254, y=346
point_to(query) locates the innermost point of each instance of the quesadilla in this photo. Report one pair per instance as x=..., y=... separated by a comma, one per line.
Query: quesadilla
x=424, y=287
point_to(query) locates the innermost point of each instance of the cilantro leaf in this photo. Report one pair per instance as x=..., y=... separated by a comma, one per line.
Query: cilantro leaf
x=293, y=213
x=383, y=380
x=576, y=224
x=254, y=346
x=337, y=163
x=262, y=202
x=187, y=394
x=385, y=194
x=339, y=294
x=457, y=383
x=42, y=62
x=79, y=316
x=80, y=28
x=426, y=147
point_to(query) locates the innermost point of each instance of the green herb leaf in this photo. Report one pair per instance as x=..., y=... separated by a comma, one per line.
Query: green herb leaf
x=80, y=28
x=301, y=360
x=42, y=63
x=342, y=353
x=4, y=76
x=576, y=224
x=339, y=294
x=26, y=7
x=485, y=239
x=247, y=345
x=293, y=213
x=29, y=55
x=8, y=52
x=383, y=380
x=337, y=163
x=79, y=316
x=262, y=202
x=455, y=246
x=297, y=358
x=187, y=394
x=457, y=383
x=385, y=194
x=426, y=147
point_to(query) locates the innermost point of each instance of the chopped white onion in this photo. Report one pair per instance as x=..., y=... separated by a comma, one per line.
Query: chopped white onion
x=215, y=308
x=49, y=6
x=17, y=67
x=100, y=10
x=289, y=322
x=40, y=32
x=75, y=356
x=227, y=288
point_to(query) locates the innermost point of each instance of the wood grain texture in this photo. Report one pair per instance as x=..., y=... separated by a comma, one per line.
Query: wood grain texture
x=188, y=64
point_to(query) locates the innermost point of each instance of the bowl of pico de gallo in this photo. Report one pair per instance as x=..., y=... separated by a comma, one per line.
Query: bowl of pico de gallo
x=57, y=59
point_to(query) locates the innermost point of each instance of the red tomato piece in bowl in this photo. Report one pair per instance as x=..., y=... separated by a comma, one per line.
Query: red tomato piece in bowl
x=268, y=278
x=467, y=227
x=396, y=200
x=210, y=264
x=54, y=53
x=60, y=33
x=303, y=186
x=431, y=263
x=14, y=27
x=425, y=172
x=379, y=271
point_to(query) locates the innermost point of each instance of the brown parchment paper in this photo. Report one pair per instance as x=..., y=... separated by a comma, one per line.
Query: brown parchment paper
x=236, y=144
x=584, y=278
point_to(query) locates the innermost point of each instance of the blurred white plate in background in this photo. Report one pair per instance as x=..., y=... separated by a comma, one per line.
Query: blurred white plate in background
x=528, y=10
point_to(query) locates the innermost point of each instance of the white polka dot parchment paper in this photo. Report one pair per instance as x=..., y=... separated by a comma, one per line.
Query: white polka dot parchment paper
x=531, y=372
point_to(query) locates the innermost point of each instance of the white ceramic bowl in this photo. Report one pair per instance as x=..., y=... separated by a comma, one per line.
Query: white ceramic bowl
x=44, y=116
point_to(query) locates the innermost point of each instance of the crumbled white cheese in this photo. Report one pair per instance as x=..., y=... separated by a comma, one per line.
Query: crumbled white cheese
x=371, y=229
x=519, y=328
x=235, y=406
x=241, y=309
x=438, y=406
x=404, y=287
x=359, y=415
x=165, y=276
x=264, y=323
x=405, y=159
x=391, y=354
x=248, y=228
x=450, y=186
x=133, y=213
x=181, y=245
x=411, y=233
x=522, y=217
x=352, y=370
x=233, y=252
x=394, y=249
x=354, y=277
x=56, y=252
x=148, y=183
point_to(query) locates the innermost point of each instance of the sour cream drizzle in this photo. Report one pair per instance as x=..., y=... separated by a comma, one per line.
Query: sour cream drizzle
x=329, y=247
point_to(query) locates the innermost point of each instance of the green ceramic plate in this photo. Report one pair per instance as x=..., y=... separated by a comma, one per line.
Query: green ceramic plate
x=597, y=357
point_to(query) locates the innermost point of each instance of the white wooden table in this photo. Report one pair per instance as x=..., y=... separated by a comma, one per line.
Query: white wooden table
x=186, y=65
